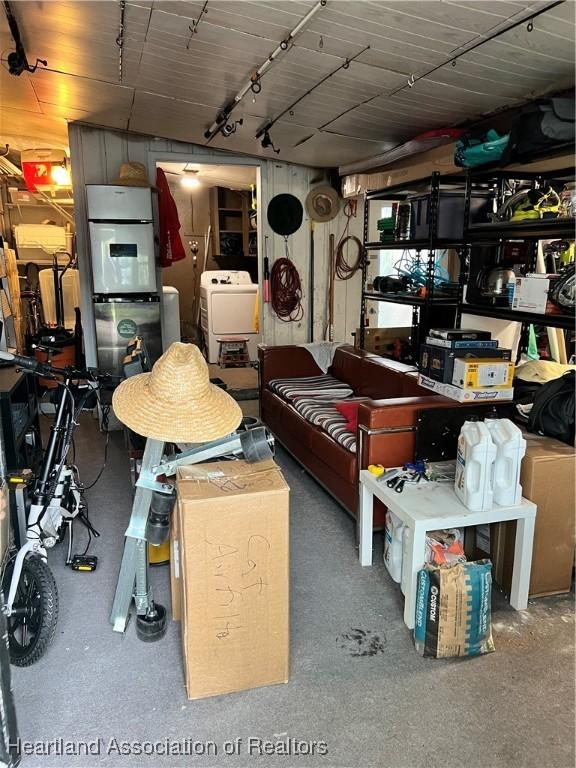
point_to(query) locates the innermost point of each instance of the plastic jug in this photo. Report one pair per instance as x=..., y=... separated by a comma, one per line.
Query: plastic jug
x=510, y=450
x=473, y=482
x=393, y=535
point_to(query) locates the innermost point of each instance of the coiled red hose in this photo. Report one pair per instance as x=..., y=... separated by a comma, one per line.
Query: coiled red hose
x=286, y=291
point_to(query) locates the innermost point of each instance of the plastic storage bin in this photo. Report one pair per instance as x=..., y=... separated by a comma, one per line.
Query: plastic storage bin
x=450, y=214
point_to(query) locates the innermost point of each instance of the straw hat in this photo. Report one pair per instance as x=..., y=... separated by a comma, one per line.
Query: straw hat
x=133, y=175
x=176, y=403
x=322, y=203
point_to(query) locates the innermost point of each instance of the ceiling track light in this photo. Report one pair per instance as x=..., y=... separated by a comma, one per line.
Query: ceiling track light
x=17, y=60
x=281, y=48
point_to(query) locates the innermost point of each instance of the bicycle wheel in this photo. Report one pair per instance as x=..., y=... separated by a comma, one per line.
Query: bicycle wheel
x=32, y=624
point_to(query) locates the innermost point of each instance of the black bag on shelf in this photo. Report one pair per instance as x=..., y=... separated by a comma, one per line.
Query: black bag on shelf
x=540, y=126
x=553, y=411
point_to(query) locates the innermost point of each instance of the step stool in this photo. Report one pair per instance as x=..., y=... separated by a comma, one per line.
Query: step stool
x=233, y=352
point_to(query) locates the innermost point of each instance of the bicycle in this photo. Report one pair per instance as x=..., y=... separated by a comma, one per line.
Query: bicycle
x=56, y=500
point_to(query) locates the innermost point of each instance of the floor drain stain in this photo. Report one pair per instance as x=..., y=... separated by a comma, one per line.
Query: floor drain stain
x=361, y=642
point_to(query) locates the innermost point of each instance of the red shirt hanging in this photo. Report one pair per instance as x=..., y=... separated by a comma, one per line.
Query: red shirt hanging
x=171, y=248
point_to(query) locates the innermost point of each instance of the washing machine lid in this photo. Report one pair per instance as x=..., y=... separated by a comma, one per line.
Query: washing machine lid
x=225, y=276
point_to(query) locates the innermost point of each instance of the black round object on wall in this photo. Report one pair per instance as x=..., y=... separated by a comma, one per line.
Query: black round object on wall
x=285, y=214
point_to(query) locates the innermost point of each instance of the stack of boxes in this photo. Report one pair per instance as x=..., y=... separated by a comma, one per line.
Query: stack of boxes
x=466, y=365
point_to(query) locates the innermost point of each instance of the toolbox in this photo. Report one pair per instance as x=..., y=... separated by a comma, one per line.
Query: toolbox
x=438, y=362
x=470, y=373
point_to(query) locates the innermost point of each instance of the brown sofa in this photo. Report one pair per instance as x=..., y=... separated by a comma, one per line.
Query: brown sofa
x=386, y=422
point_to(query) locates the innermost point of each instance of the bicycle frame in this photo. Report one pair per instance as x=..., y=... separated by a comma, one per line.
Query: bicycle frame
x=56, y=497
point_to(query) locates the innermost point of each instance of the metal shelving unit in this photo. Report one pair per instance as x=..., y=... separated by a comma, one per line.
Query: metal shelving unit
x=494, y=233
x=429, y=309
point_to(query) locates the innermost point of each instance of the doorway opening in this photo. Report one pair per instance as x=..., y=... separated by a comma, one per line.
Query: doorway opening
x=212, y=294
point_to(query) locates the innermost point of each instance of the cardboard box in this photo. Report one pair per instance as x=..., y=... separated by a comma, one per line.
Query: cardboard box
x=175, y=570
x=531, y=294
x=412, y=168
x=471, y=373
x=466, y=395
x=233, y=533
x=378, y=340
x=438, y=362
x=548, y=478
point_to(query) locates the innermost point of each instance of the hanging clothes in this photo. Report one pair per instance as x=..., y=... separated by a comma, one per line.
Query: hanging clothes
x=171, y=248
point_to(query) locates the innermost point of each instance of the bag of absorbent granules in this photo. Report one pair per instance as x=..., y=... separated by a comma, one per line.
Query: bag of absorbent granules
x=453, y=610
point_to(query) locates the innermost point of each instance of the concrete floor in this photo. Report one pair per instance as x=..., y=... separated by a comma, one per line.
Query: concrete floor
x=391, y=709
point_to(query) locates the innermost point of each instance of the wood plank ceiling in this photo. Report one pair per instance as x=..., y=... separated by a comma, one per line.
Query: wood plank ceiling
x=173, y=83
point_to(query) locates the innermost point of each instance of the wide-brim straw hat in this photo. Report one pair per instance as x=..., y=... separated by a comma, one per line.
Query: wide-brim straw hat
x=133, y=175
x=176, y=402
x=322, y=203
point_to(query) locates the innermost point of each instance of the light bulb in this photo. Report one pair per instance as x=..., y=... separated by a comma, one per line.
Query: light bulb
x=189, y=182
x=60, y=175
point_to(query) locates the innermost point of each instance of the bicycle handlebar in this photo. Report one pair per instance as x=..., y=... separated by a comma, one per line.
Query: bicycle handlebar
x=43, y=369
x=28, y=363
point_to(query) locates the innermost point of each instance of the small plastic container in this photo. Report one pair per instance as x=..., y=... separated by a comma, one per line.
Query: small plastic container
x=473, y=482
x=510, y=450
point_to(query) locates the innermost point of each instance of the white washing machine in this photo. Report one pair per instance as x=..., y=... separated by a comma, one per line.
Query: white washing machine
x=227, y=308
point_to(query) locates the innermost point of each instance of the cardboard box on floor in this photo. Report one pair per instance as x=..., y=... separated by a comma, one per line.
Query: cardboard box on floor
x=548, y=479
x=234, y=569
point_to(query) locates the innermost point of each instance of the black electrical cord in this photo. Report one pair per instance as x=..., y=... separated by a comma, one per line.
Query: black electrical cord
x=343, y=269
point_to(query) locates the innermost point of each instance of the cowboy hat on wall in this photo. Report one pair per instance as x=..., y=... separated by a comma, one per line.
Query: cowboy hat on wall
x=322, y=203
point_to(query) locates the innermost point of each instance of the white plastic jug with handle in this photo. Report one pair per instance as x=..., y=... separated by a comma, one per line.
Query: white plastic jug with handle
x=510, y=450
x=393, y=534
x=473, y=482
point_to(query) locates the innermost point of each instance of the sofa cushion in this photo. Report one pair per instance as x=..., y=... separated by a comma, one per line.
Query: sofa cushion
x=314, y=410
x=323, y=387
x=326, y=416
x=338, y=430
x=349, y=409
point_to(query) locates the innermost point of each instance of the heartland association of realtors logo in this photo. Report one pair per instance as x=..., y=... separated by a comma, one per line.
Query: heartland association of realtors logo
x=285, y=746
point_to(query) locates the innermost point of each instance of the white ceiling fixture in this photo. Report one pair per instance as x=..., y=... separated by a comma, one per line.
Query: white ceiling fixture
x=189, y=179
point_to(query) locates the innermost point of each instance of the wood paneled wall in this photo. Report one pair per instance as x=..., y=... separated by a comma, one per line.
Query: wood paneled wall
x=96, y=155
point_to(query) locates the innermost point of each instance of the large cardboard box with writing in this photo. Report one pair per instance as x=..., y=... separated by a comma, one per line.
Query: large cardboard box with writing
x=548, y=479
x=234, y=566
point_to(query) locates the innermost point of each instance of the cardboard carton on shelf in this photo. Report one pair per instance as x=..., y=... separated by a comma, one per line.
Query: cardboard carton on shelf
x=531, y=294
x=490, y=373
x=466, y=395
x=548, y=478
x=377, y=340
x=234, y=566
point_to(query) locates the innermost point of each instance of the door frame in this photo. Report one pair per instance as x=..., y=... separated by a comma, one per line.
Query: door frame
x=218, y=158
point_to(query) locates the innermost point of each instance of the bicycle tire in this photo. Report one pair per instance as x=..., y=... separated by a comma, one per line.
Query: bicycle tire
x=37, y=593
